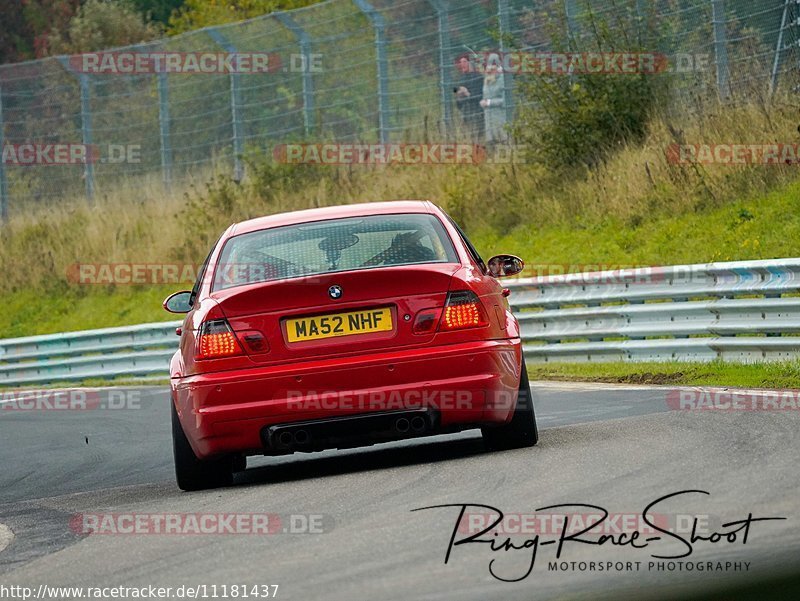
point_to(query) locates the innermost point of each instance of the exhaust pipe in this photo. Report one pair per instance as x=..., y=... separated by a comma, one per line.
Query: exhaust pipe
x=402, y=425
x=302, y=437
x=286, y=438
x=418, y=423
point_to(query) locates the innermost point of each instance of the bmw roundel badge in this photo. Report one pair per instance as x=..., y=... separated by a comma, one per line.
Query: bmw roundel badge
x=335, y=292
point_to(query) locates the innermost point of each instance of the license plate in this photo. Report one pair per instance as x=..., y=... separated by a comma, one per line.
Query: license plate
x=339, y=324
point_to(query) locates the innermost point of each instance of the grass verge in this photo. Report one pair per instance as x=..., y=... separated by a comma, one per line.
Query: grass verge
x=28, y=313
x=755, y=228
x=778, y=375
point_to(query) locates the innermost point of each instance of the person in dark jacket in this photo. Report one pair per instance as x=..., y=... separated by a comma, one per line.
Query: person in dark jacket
x=469, y=92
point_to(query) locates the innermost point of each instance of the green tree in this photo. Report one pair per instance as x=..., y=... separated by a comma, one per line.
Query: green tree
x=158, y=11
x=195, y=14
x=16, y=37
x=584, y=117
x=101, y=24
x=26, y=26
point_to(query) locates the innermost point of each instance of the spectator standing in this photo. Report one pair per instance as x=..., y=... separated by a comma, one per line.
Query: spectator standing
x=469, y=92
x=493, y=102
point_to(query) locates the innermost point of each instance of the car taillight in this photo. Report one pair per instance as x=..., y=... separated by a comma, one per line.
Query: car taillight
x=463, y=310
x=217, y=340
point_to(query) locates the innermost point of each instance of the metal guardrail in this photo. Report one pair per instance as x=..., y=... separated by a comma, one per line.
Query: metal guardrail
x=742, y=311
x=735, y=311
x=139, y=351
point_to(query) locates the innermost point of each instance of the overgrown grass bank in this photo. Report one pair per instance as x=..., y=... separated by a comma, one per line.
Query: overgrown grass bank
x=636, y=208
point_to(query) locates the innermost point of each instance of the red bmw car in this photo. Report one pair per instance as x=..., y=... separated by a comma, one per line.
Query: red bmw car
x=341, y=327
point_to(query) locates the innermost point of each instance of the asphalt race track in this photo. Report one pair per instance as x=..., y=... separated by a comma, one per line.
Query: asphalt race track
x=615, y=447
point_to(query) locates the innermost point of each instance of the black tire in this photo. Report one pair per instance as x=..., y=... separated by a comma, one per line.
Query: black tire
x=521, y=431
x=192, y=473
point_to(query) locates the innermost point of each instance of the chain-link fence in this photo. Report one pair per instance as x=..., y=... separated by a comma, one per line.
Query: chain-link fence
x=343, y=70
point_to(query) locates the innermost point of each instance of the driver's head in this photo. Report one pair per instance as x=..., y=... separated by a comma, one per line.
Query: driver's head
x=406, y=248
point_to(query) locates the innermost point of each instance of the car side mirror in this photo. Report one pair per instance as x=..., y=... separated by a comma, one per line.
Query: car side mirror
x=180, y=302
x=503, y=266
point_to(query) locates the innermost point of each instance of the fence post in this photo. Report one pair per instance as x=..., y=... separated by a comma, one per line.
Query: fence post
x=720, y=47
x=571, y=12
x=505, y=29
x=86, y=130
x=163, y=127
x=445, y=82
x=236, y=107
x=3, y=181
x=308, y=81
x=383, y=67
x=641, y=17
x=776, y=65
x=86, y=127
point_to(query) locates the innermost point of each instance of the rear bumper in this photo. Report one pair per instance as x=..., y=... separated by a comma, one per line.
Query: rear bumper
x=463, y=384
x=349, y=431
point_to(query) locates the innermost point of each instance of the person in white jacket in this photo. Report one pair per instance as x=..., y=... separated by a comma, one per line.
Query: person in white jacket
x=493, y=101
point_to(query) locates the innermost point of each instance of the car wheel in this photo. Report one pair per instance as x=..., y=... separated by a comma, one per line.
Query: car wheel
x=193, y=473
x=521, y=431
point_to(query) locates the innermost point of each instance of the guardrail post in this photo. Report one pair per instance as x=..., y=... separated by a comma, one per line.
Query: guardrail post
x=163, y=127
x=505, y=30
x=720, y=47
x=236, y=107
x=441, y=8
x=379, y=25
x=3, y=181
x=86, y=127
x=308, y=80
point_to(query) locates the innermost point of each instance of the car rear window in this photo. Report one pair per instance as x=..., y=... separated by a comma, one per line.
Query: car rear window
x=331, y=246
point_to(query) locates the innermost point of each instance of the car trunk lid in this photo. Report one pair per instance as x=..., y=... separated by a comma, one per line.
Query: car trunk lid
x=339, y=313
